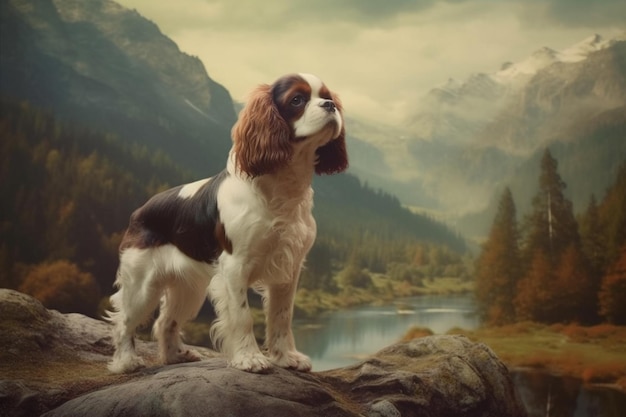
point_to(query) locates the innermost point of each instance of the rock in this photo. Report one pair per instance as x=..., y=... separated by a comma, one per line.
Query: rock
x=432, y=376
x=210, y=388
x=56, y=364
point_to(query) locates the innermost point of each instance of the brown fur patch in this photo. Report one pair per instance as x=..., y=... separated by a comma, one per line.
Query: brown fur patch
x=222, y=239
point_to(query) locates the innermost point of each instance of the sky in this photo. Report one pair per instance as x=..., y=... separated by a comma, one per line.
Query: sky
x=380, y=56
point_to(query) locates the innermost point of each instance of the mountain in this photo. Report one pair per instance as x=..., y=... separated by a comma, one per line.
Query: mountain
x=467, y=139
x=99, y=111
x=99, y=64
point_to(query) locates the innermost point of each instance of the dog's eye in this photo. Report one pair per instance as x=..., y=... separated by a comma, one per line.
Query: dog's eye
x=297, y=101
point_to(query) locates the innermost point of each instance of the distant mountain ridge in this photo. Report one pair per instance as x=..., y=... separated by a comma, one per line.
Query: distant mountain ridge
x=447, y=111
x=468, y=139
x=100, y=64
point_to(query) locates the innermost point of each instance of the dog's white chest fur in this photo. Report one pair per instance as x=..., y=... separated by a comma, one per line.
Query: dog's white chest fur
x=271, y=231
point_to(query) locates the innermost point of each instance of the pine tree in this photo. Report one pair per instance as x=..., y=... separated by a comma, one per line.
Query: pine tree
x=550, y=231
x=498, y=267
x=613, y=292
x=534, y=292
x=613, y=216
x=551, y=226
x=594, y=246
x=592, y=236
x=573, y=295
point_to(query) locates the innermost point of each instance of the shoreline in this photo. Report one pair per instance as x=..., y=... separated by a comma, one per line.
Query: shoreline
x=588, y=385
x=311, y=303
x=595, y=355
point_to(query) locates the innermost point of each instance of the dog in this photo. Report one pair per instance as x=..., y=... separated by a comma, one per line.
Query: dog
x=251, y=225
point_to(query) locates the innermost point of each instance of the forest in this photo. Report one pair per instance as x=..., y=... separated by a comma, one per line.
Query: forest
x=69, y=191
x=554, y=266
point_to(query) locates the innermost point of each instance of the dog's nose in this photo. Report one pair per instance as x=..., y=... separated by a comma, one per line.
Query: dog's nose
x=329, y=105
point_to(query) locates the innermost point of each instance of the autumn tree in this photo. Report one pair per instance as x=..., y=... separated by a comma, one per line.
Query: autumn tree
x=593, y=236
x=613, y=292
x=574, y=294
x=60, y=285
x=550, y=231
x=613, y=215
x=498, y=267
x=534, y=293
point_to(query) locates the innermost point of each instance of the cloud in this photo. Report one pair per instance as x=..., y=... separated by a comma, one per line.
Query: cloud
x=380, y=56
x=275, y=15
x=280, y=15
x=576, y=13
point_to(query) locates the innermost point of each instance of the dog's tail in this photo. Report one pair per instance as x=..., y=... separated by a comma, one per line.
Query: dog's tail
x=112, y=313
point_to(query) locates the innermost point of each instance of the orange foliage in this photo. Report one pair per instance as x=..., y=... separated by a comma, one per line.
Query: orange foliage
x=62, y=286
x=533, y=292
x=416, y=332
x=613, y=291
x=603, y=373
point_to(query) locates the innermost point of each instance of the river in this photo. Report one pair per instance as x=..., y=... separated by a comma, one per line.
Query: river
x=344, y=337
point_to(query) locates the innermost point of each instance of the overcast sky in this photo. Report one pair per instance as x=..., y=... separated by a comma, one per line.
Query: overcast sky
x=379, y=55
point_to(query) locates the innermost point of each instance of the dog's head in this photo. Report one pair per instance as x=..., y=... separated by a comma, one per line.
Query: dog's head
x=296, y=110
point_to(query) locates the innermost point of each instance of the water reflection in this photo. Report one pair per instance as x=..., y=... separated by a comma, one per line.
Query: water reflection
x=548, y=395
x=343, y=337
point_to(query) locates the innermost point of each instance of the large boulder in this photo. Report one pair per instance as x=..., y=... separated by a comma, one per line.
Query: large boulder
x=55, y=364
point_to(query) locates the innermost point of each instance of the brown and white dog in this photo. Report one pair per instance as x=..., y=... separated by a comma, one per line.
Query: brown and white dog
x=249, y=226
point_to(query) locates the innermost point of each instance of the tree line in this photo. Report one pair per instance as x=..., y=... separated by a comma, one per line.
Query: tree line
x=67, y=195
x=68, y=192
x=554, y=266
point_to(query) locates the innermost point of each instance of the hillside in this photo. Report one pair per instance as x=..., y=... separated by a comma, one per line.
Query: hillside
x=100, y=65
x=100, y=111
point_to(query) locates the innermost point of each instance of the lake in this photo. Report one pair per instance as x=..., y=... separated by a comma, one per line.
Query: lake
x=344, y=337
x=341, y=338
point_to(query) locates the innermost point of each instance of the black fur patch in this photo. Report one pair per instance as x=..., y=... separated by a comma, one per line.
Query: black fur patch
x=188, y=223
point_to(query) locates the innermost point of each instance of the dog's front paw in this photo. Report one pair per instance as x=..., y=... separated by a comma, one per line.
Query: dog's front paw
x=184, y=355
x=292, y=360
x=251, y=362
x=125, y=364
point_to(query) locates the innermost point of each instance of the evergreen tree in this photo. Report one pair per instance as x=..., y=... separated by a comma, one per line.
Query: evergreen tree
x=551, y=226
x=613, y=216
x=594, y=246
x=573, y=295
x=498, y=267
x=613, y=292
x=550, y=231
x=534, y=292
x=592, y=236
x=318, y=271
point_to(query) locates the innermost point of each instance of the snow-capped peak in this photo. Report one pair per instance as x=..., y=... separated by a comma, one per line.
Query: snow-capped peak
x=581, y=50
x=545, y=56
x=538, y=60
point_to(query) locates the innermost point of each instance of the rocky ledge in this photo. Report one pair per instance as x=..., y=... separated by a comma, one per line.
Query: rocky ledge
x=55, y=364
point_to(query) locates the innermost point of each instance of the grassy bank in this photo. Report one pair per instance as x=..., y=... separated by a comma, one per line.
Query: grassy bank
x=595, y=354
x=312, y=303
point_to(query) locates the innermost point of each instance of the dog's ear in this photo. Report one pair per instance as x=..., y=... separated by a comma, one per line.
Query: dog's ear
x=332, y=158
x=261, y=136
